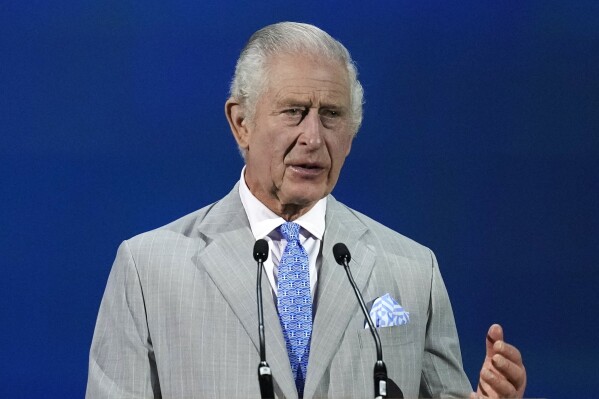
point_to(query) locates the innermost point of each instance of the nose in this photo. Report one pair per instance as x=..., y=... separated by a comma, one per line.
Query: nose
x=311, y=133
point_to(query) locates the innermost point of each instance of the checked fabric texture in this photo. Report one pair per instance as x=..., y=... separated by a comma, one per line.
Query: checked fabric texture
x=294, y=302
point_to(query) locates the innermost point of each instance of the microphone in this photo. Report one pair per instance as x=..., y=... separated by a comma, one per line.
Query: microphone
x=342, y=256
x=264, y=373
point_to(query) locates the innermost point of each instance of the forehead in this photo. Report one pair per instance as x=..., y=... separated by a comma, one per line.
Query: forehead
x=307, y=77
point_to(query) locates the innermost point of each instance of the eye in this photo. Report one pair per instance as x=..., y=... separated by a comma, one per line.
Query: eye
x=294, y=111
x=331, y=118
x=330, y=113
x=294, y=115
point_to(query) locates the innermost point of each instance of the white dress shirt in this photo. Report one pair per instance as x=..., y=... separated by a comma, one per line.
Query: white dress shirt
x=264, y=223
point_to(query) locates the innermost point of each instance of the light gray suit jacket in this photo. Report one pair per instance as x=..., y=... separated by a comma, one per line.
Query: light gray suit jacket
x=179, y=315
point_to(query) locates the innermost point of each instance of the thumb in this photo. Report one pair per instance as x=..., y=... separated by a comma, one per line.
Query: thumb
x=494, y=334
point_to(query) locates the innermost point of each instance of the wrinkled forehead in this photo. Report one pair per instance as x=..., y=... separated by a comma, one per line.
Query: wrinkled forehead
x=311, y=92
x=307, y=77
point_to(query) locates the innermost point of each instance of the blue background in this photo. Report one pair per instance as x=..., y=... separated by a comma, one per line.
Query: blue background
x=480, y=140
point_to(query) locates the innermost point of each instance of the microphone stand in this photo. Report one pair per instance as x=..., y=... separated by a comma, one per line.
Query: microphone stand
x=343, y=257
x=264, y=372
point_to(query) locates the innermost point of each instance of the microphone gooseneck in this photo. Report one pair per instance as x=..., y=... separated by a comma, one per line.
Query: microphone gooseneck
x=264, y=373
x=342, y=256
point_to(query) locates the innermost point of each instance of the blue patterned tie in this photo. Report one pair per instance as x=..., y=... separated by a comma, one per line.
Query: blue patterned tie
x=294, y=302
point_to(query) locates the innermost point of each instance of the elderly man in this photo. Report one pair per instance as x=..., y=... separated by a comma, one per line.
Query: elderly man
x=179, y=316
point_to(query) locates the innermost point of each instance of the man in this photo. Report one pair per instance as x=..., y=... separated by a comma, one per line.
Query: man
x=179, y=316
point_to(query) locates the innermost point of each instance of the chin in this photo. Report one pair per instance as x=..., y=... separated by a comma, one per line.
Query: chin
x=302, y=194
x=308, y=200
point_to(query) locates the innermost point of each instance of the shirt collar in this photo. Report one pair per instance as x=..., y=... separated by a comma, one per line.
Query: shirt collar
x=263, y=220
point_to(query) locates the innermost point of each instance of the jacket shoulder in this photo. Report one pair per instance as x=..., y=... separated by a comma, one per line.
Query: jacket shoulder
x=213, y=217
x=184, y=227
x=390, y=240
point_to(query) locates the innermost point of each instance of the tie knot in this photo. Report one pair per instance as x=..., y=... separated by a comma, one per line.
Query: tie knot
x=290, y=231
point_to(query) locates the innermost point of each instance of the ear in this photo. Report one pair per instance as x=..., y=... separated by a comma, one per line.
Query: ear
x=239, y=125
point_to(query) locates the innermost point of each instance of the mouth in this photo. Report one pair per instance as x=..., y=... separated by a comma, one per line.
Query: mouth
x=308, y=166
x=307, y=169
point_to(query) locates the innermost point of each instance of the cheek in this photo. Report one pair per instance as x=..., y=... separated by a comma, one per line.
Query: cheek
x=277, y=164
x=280, y=147
x=338, y=152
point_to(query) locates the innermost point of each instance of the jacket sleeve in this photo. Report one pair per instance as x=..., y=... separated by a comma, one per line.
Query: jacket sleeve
x=121, y=361
x=442, y=371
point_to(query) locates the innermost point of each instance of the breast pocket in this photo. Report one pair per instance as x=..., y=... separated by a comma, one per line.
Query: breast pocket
x=390, y=336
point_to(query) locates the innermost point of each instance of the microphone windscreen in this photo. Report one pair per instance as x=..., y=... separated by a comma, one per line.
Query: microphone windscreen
x=260, y=250
x=341, y=253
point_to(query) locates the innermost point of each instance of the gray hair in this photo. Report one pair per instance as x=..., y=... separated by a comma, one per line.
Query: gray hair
x=250, y=76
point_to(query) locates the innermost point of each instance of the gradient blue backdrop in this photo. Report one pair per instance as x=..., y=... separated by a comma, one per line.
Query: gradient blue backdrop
x=480, y=140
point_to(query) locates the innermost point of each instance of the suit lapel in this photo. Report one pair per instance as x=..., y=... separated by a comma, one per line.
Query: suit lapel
x=227, y=260
x=336, y=300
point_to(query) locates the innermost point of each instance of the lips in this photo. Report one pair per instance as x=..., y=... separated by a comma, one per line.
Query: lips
x=308, y=166
x=307, y=169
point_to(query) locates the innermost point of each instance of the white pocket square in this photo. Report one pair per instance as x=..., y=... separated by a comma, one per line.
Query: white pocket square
x=387, y=312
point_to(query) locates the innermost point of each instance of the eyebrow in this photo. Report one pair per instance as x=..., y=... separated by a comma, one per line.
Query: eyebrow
x=303, y=100
x=292, y=100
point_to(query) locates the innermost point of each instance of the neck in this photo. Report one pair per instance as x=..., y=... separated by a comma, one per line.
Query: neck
x=291, y=212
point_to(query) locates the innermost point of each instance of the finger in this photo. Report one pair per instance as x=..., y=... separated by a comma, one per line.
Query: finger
x=508, y=351
x=481, y=392
x=484, y=390
x=498, y=384
x=494, y=334
x=474, y=395
x=513, y=372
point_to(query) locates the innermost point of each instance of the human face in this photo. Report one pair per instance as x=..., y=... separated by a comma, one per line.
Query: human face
x=300, y=134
